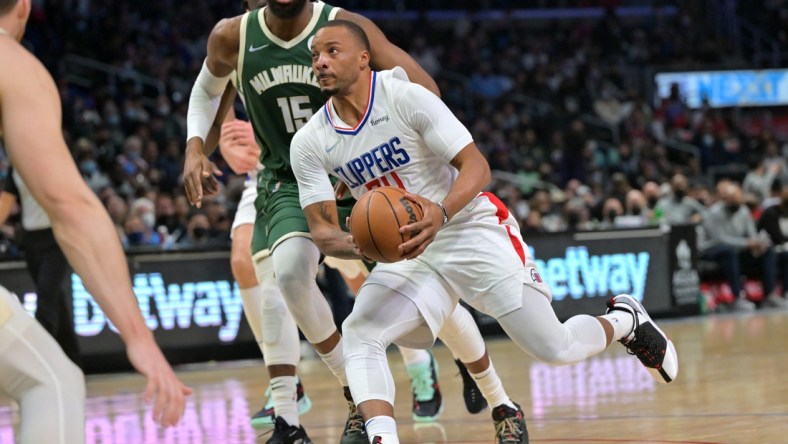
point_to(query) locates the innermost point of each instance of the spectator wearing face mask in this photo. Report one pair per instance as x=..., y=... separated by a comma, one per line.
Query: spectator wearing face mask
x=774, y=221
x=652, y=193
x=89, y=168
x=733, y=242
x=141, y=224
x=637, y=212
x=611, y=209
x=197, y=232
x=677, y=207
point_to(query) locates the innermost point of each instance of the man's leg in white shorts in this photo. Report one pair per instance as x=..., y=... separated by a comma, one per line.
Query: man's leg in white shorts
x=421, y=366
x=35, y=372
x=535, y=328
x=466, y=345
x=380, y=317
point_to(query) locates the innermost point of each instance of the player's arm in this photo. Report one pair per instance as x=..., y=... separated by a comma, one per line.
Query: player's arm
x=328, y=235
x=31, y=124
x=447, y=137
x=204, y=105
x=224, y=114
x=317, y=198
x=386, y=55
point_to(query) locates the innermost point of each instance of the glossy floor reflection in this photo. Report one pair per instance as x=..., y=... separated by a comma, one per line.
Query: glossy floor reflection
x=732, y=388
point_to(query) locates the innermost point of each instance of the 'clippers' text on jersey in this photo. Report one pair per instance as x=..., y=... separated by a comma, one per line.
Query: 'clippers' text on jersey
x=373, y=164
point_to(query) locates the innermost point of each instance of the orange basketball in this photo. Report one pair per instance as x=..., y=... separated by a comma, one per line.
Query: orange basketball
x=376, y=219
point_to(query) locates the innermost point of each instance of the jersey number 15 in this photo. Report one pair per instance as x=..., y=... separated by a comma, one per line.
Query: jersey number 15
x=296, y=111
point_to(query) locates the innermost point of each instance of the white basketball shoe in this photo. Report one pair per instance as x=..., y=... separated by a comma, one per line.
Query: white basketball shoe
x=647, y=341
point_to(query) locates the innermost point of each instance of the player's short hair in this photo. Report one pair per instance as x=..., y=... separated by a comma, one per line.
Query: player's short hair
x=356, y=31
x=6, y=5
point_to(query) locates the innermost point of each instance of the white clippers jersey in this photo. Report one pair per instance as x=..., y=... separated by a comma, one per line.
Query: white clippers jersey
x=405, y=139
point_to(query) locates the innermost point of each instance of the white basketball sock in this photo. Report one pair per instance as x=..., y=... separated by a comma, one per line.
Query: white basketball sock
x=491, y=387
x=283, y=393
x=623, y=322
x=335, y=360
x=383, y=426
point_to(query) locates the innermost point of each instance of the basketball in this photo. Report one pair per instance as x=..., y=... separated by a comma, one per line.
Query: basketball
x=376, y=219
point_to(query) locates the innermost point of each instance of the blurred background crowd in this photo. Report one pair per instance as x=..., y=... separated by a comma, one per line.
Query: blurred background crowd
x=565, y=110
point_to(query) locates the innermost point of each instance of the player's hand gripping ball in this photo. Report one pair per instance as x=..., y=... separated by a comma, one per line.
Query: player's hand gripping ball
x=376, y=219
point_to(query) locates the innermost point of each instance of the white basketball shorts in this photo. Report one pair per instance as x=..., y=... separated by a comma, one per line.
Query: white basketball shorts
x=478, y=256
x=246, y=214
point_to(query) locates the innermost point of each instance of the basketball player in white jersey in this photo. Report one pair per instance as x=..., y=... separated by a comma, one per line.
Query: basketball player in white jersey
x=33, y=370
x=264, y=306
x=377, y=127
x=295, y=258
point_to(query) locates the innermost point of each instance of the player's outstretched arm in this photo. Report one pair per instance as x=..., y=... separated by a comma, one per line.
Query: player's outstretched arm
x=196, y=164
x=386, y=55
x=31, y=126
x=204, y=105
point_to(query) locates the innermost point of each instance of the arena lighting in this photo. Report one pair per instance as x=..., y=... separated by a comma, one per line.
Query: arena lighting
x=743, y=88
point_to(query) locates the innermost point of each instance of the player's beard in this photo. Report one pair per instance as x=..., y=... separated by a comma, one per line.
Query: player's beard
x=329, y=91
x=286, y=11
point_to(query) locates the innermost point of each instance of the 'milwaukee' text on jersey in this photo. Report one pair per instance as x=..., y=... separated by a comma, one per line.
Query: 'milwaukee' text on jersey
x=283, y=74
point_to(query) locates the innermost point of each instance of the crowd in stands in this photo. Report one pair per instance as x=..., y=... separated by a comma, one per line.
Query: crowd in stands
x=560, y=108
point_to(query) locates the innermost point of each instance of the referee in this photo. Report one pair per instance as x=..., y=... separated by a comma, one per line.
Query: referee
x=46, y=264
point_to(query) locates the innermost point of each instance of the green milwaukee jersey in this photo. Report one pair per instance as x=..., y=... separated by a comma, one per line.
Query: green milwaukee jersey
x=277, y=85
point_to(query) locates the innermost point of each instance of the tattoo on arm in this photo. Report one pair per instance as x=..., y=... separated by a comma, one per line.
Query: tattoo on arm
x=325, y=213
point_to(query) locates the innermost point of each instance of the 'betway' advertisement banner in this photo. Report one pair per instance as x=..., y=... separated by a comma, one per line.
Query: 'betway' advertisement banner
x=189, y=300
x=193, y=306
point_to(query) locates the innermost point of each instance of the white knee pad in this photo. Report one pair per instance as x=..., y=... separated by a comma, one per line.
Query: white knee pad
x=295, y=265
x=278, y=333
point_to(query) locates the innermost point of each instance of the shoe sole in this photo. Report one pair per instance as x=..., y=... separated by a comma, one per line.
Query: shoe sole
x=661, y=375
x=304, y=405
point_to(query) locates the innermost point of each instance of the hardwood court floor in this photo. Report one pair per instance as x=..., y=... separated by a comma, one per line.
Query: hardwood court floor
x=732, y=388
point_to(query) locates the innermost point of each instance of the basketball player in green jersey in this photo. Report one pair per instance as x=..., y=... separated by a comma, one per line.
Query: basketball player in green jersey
x=267, y=52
